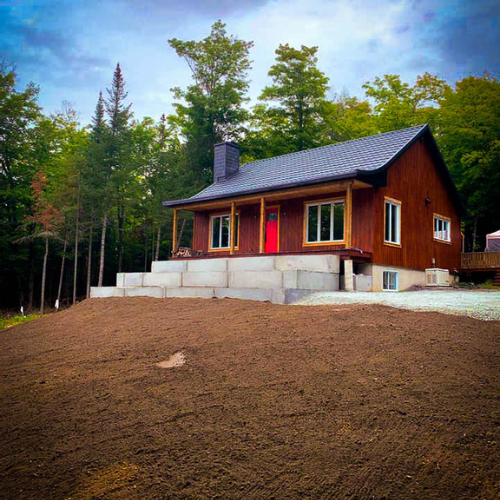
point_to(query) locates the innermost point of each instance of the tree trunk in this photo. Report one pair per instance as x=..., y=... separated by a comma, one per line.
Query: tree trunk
x=474, y=234
x=158, y=239
x=44, y=275
x=180, y=233
x=31, y=283
x=61, y=274
x=89, y=261
x=20, y=290
x=103, y=247
x=121, y=216
x=146, y=254
x=77, y=235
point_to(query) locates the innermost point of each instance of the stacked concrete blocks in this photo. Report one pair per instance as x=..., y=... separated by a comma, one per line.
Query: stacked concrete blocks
x=262, y=278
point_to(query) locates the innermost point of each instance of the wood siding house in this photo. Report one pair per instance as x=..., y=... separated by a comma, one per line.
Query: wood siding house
x=385, y=204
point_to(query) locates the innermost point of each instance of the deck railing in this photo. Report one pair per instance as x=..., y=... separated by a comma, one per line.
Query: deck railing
x=481, y=260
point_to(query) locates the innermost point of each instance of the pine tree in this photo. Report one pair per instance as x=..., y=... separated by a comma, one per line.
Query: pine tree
x=120, y=151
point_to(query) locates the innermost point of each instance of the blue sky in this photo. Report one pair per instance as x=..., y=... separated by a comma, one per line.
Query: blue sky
x=70, y=47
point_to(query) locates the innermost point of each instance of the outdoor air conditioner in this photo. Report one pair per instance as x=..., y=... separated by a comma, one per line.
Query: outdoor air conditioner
x=437, y=277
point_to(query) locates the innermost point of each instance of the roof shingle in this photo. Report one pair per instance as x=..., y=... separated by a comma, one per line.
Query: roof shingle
x=340, y=160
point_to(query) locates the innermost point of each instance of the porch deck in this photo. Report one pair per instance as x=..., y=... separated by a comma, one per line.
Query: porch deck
x=481, y=261
x=355, y=255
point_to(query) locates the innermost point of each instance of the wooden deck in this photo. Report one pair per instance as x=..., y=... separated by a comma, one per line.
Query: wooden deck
x=481, y=261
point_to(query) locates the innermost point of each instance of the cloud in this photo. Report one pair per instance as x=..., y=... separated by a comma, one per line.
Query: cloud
x=70, y=48
x=468, y=36
x=199, y=8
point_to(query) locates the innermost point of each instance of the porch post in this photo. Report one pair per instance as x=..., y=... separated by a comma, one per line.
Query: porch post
x=348, y=209
x=262, y=224
x=233, y=215
x=174, y=231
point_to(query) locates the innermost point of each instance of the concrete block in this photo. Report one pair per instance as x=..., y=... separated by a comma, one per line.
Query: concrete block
x=251, y=264
x=207, y=265
x=255, y=279
x=294, y=295
x=132, y=279
x=162, y=279
x=106, y=291
x=348, y=276
x=306, y=280
x=244, y=293
x=145, y=291
x=208, y=279
x=181, y=292
x=279, y=296
x=120, y=279
x=169, y=266
x=315, y=263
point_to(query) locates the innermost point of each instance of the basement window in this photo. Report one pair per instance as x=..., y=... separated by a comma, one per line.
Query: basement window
x=390, y=281
x=442, y=228
x=324, y=222
x=220, y=231
x=392, y=222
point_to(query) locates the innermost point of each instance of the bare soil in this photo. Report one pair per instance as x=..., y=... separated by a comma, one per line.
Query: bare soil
x=355, y=402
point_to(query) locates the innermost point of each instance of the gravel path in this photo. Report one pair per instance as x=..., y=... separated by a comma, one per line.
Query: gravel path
x=480, y=305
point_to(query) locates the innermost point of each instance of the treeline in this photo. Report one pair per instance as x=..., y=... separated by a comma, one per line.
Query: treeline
x=78, y=204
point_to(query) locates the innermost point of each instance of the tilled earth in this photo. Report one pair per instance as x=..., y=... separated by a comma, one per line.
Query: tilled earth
x=284, y=402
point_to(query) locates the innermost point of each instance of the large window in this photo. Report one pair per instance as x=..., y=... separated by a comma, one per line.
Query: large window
x=442, y=228
x=392, y=226
x=325, y=222
x=221, y=231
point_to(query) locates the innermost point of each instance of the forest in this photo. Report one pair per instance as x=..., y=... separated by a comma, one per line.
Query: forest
x=79, y=203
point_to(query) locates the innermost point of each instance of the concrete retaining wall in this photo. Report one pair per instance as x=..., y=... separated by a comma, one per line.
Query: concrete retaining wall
x=261, y=278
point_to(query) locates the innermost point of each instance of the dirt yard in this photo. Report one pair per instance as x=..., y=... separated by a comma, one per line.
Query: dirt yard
x=283, y=402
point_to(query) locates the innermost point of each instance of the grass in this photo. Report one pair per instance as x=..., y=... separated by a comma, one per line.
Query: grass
x=488, y=284
x=17, y=320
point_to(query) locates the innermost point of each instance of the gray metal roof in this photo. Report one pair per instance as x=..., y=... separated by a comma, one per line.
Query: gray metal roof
x=338, y=161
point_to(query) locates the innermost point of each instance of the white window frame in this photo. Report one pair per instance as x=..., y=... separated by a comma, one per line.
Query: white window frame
x=221, y=216
x=445, y=234
x=319, y=203
x=395, y=205
x=396, y=284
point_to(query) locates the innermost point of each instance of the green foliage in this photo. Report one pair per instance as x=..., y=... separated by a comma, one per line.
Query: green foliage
x=399, y=105
x=213, y=108
x=470, y=141
x=294, y=115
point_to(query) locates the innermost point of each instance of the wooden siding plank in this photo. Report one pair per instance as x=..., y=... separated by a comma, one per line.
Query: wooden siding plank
x=262, y=224
x=174, y=231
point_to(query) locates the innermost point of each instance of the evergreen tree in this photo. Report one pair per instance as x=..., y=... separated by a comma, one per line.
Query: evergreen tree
x=119, y=151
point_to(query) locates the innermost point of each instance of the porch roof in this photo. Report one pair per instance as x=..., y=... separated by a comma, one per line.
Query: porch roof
x=356, y=159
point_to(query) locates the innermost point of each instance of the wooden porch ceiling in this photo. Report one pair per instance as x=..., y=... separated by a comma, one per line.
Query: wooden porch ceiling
x=331, y=187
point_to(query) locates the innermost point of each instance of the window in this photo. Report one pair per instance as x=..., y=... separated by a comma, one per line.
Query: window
x=325, y=222
x=442, y=228
x=221, y=231
x=390, y=281
x=392, y=222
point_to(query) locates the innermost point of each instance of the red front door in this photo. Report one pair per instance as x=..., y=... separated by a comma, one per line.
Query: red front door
x=272, y=230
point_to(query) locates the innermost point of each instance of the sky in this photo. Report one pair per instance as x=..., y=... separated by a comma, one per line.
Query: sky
x=70, y=47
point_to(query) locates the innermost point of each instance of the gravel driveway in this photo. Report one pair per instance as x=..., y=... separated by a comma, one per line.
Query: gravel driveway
x=480, y=305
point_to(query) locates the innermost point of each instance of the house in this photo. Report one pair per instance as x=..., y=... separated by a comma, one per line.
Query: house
x=367, y=214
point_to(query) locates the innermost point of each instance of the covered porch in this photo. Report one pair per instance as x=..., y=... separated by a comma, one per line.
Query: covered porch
x=321, y=219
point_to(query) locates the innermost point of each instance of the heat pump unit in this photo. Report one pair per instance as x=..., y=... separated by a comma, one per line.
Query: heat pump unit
x=437, y=277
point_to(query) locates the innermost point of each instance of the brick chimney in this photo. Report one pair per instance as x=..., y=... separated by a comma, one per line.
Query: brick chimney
x=226, y=160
